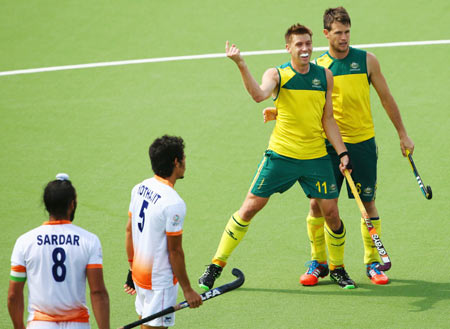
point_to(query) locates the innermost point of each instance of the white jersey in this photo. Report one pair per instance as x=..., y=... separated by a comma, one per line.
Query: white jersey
x=54, y=258
x=156, y=211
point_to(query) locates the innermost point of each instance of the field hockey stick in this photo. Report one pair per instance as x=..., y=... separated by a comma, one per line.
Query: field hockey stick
x=205, y=296
x=425, y=190
x=373, y=233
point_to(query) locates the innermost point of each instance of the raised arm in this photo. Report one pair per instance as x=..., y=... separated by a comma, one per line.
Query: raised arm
x=99, y=297
x=258, y=92
x=388, y=102
x=176, y=257
x=330, y=126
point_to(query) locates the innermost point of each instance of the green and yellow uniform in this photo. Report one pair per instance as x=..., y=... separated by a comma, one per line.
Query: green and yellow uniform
x=351, y=95
x=296, y=150
x=296, y=153
x=351, y=108
x=300, y=100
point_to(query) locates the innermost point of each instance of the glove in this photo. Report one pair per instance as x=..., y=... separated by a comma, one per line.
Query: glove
x=129, y=281
x=349, y=164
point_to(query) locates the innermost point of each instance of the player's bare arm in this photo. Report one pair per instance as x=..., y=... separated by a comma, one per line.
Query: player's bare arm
x=130, y=254
x=16, y=303
x=388, y=102
x=99, y=297
x=258, y=92
x=176, y=257
x=330, y=126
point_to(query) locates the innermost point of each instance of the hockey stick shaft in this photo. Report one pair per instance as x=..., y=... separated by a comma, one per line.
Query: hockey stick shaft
x=205, y=296
x=372, y=231
x=425, y=190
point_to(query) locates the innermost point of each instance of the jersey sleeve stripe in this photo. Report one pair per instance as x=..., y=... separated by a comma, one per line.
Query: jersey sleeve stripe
x=18, y=268
x=174, y=233
x=94, y=266
x=18, y=273
x=17, y=278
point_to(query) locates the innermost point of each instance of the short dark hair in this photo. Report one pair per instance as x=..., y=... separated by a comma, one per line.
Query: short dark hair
x=163, y=152
x=296, y=29
x=338, y=14
x=58, y=195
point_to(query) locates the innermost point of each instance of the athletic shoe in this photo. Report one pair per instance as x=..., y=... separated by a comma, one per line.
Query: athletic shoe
x=374, y=274
x=212, y=272
x=315, y=271
x=340, y=276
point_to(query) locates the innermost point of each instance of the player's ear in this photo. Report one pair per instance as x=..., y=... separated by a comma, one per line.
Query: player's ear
x=325, y=32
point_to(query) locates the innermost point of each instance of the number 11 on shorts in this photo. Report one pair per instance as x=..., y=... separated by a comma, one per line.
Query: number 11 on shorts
x=324, y=184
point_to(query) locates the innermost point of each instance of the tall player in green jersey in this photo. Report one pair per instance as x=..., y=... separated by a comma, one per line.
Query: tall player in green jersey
x=353, y=70
x=296, y=152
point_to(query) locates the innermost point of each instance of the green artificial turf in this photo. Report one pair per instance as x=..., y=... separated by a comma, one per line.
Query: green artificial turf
x=96, y=124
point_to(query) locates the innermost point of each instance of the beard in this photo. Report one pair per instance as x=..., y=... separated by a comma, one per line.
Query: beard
x=339, y=49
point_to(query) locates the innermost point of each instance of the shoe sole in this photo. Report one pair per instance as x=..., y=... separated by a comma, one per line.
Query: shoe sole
x=349, y=286
x=379, y=283
x=205, y=288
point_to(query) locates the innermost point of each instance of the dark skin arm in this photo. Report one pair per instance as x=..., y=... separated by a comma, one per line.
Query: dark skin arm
x=176, y=258
x=99, y=297
x=130, y=253
x=16, y=303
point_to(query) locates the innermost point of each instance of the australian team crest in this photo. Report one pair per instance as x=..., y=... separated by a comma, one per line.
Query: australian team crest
x=354, y=66
x=316, y=83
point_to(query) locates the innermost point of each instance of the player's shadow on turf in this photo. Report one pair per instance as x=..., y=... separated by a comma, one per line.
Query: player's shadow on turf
x=427, y=293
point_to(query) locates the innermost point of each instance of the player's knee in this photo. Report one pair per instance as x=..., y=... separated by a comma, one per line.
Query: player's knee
x=251, y=206
x=332, y=218
x=314, y=209
x=247, y=213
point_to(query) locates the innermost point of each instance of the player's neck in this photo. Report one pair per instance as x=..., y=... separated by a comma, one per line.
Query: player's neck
x=58, y=219
x=167, y=180
x=300, y=67
x=338, y=54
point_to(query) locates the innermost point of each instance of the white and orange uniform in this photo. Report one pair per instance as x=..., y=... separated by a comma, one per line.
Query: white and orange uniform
x=53, y=258
x=156, y=211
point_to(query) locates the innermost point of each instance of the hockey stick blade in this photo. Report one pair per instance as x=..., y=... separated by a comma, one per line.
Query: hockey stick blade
x=240, y=278
x=373, y=233
x=427, y=192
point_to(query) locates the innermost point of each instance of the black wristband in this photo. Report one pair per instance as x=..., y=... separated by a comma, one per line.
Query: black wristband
x=344, y=154
x=129, y=281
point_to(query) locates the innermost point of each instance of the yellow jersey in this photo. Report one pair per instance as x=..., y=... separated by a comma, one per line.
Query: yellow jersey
x=300, y=100
x=351, y=95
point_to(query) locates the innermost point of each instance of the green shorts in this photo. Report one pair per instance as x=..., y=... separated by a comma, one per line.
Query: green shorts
x=364, y=156
x=277, y=173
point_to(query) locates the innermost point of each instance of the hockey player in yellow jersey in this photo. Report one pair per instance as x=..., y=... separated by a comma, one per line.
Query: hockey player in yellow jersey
x=296, y=153
x=353, y=72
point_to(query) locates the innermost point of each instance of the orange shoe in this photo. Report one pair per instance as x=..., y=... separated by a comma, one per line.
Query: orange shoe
x=375, y=275
x=315, y=271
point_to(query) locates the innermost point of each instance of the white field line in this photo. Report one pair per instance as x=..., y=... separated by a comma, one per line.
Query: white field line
x=204, y=56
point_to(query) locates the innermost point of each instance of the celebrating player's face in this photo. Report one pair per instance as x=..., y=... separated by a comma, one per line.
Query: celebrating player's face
x=339, y=37
x=300, y=47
